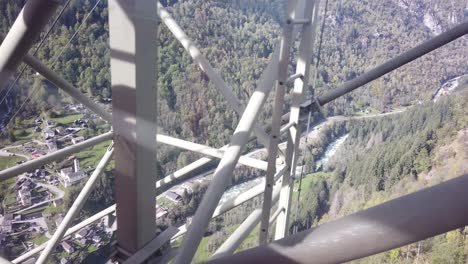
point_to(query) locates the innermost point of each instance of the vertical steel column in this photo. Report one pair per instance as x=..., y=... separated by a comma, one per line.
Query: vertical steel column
x=303, y=66
x=133, y=36
x=22, y=35
x=283, y=63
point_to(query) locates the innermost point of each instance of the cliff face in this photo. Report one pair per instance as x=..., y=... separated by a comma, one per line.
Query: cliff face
x=436, y=15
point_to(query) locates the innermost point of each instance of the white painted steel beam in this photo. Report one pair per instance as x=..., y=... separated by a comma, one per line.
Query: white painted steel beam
x=209, y=151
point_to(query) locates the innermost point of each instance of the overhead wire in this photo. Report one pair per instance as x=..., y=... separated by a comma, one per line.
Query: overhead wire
x=36, y=50
x=314, y=83
x=34, y=90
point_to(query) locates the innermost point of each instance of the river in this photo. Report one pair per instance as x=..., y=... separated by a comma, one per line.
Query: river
x=242, y=187
x=329, y=152
x=447, y=87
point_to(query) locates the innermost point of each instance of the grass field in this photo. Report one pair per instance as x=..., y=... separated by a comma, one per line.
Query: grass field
x=92, y=156
x=6, y=162
x=67, y=119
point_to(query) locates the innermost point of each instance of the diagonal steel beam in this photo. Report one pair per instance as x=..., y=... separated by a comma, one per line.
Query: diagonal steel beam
x=206, y=67
x=402, y=221
x=76, y=207
x=22, y=35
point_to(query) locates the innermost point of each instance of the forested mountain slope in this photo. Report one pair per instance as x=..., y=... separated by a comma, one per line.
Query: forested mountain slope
x=388, y=157
x=237, y=38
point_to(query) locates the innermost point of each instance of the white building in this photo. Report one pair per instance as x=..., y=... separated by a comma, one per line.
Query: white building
x=24, y=196
x=48, y=133
x=72, y=175
x=77, y=140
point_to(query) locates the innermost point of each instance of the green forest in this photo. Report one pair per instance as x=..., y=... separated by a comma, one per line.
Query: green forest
x=382, y=158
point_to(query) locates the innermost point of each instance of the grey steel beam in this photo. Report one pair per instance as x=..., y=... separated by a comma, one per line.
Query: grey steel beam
x=22, y=35
x=402, y=221
x=224, y=170
x=402, y=59
x=303, y=67
x=88, y=221
x=206, y=67
x=283, y=63
x=209, y=151
x=241, y=233
x=133, y=40
x=61, y=83
x=145, y=254
x=76, y=207
x=41, y=161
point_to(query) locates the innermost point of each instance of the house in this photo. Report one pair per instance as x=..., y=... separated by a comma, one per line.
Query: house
x=51, y=123
x=60, y=130
x=172, y=196
x=64, y=261
x=58, y=220
x=52, y=145
x=77, y=140
x=48, y=133
x=6, y=226
x=38, y=121
x=72, y=175
x=83, y=241
x=97, y=239
x=160, y=211
x=24, y=196
x=82, y=233
x=57, y=202
x=68, y=247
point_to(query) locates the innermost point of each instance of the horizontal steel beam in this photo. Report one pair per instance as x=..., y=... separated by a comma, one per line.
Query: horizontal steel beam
x=209, y=151
x=402, y=59
x=88, y=221
x=41, y=161
x=402, y=221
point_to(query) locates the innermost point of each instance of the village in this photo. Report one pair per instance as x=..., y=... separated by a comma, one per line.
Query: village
x=33, y=202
